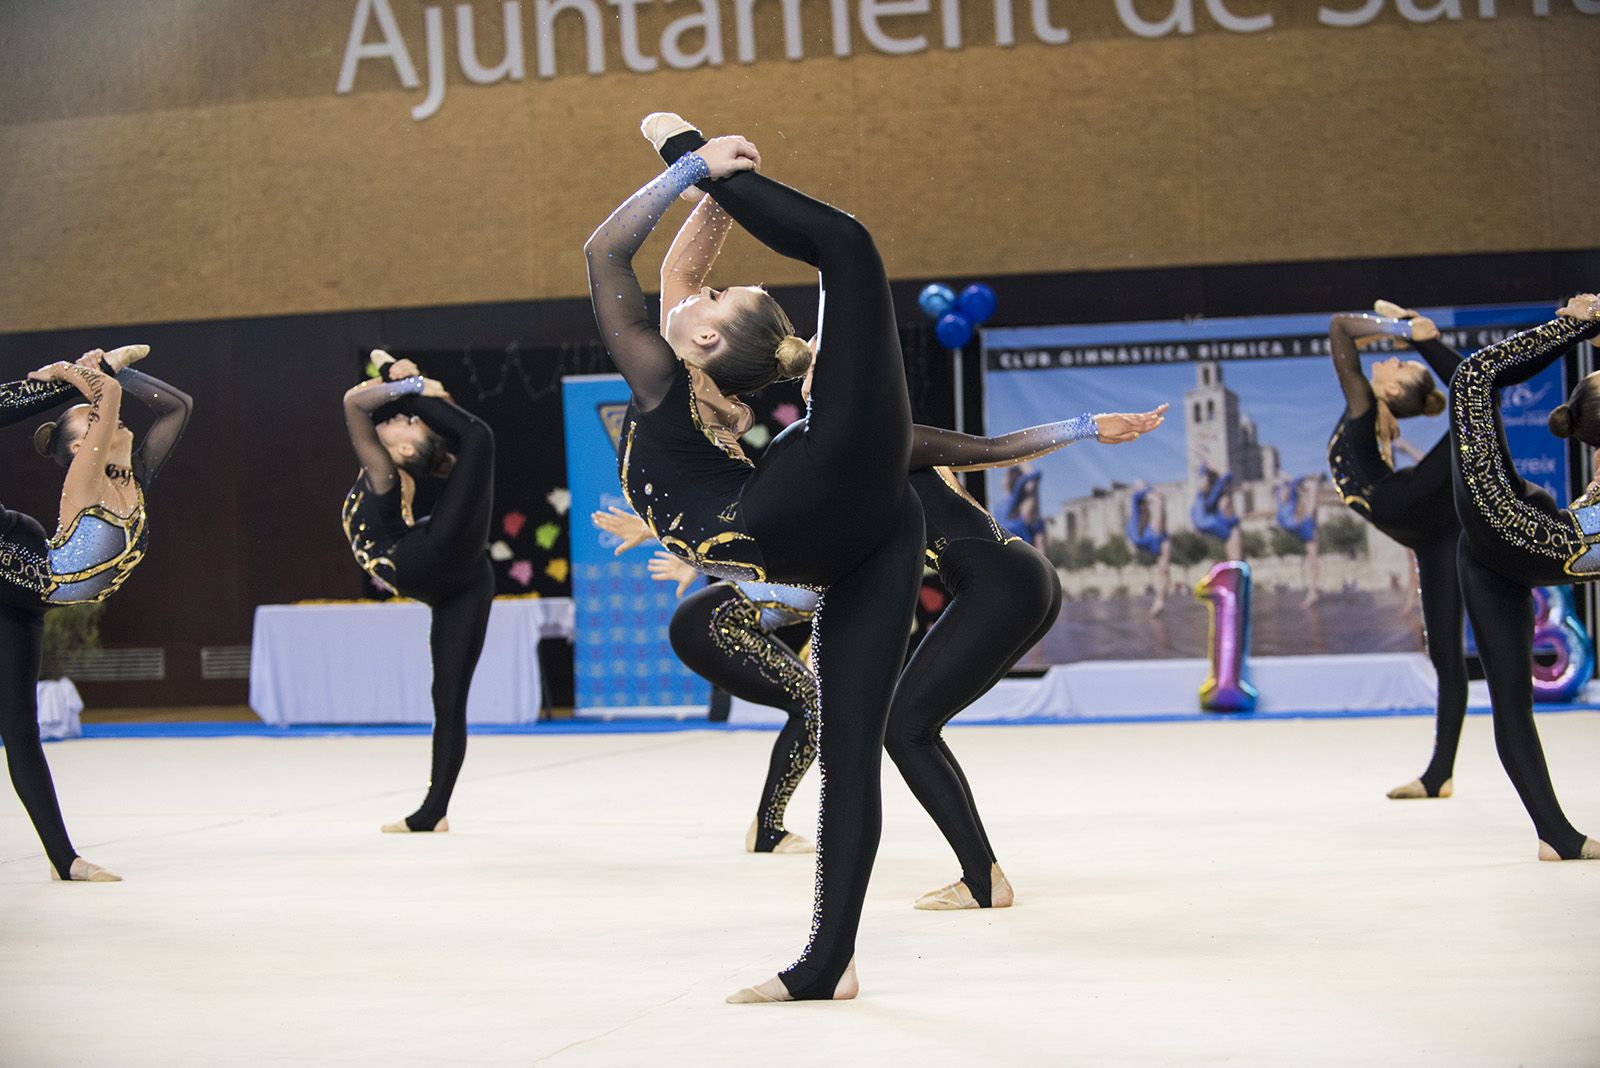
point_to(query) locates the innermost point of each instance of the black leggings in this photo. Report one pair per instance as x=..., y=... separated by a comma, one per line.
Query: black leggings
x=1004, y=598
x=1502, y=621
x=21, y=652
x=829, y=507
x=717, y=633
x=1442, y=616
x=442, y=562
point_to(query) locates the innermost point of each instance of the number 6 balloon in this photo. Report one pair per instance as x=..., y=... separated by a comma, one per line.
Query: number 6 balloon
x=1226, y=588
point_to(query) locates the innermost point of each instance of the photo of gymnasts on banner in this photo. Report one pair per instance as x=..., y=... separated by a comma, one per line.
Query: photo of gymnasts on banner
x=1131, y=530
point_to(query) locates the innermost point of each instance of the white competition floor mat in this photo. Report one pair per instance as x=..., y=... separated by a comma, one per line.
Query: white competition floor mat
x=1187, y=893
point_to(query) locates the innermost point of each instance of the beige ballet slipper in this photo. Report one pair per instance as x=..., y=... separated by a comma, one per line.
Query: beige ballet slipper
x=773, y=991
x=789, y=843
x=84, y=872
x=659, y=127
x=127, y=355
x=1590, y=851
x=401, y=827
x=1414, y=791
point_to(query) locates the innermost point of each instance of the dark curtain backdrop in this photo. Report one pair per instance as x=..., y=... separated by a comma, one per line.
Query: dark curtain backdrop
x=247, y=512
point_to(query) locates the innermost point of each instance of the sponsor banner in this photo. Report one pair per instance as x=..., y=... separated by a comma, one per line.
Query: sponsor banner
x=623, y=663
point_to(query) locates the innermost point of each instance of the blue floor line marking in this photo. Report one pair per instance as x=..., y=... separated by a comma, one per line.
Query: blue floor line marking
x=665, y=726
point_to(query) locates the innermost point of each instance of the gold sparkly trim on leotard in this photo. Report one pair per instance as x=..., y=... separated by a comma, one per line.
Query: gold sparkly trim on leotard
x=126, y=559
x=737, y=632
x=361, y=545
x=1491, y=482
x=936, y=548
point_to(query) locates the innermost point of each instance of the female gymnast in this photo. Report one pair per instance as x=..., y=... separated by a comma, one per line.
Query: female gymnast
x=1411, y=505
x=1297, y=517
x=1147, y=532
x=441, y=559
x=1212, y=511
x=829, y=510
x=1514, y=538
x=101, y=536
x=728, y=634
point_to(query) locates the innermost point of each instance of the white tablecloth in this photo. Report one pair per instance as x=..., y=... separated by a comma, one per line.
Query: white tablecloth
x=369, y=663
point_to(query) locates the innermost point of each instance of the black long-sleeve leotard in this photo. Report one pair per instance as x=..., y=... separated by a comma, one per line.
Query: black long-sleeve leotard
x=440, y=559
x=1514, y=538
x=1411, y=506
x=829, y=510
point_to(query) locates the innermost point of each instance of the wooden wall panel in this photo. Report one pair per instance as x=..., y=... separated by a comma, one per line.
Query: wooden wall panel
x=190, y=160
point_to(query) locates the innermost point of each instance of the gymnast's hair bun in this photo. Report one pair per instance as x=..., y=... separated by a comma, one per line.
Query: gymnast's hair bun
x=1433, y=403
x=1561, y=421
x=44, y=440
x=794, y=357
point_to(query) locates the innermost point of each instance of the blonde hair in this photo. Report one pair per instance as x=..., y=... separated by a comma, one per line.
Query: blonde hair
x=759, y=348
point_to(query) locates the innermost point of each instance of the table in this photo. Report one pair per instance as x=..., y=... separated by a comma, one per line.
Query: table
x=368, y=662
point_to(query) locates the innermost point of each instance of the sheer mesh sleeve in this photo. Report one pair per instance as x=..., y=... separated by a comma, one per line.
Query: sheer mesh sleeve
x=933, y=447
x=1342, y=333
x=359, y=404
x=629, y=333
x=171, y=408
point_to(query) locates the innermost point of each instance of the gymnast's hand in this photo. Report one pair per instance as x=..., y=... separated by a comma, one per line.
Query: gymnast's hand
x=625, y=525
x=729, y=155
x=405, y=368
x=664, y=567
x=1583, y=306
x=1117, y=428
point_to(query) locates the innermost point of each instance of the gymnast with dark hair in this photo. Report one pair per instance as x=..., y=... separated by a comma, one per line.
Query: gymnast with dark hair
x=1412, y=505
x=101, y=536
x=440, y=559
x=1514, y=538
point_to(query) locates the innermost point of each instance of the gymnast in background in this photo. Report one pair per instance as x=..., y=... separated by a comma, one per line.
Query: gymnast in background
x=1213, y=513
x=1410, y=505
x=101, y=535
x=441, y=559
x=1514, y=538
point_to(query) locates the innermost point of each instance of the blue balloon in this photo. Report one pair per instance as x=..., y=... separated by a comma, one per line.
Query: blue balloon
x=953, y=330
x=977, y=303
x=935, y=300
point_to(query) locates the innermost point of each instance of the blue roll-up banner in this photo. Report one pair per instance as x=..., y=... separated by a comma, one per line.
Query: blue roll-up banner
x=622, y=660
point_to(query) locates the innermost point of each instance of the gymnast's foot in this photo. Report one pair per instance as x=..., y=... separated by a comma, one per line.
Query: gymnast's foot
x=1590, y=851
x=81, y=871
x=773, y=991
x=958, y=896
x=127, y=355
x=1390, y=310
x=404, y=827
x=759, y=839
x=659, y=127
x=1415, y=790
x=1158, y=607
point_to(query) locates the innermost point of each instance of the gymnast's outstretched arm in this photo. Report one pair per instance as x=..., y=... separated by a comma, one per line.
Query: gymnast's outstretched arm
x=933, y=447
